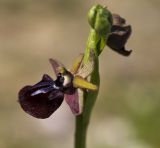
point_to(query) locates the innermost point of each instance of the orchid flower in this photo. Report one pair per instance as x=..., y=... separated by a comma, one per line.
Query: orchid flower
x=46, y=96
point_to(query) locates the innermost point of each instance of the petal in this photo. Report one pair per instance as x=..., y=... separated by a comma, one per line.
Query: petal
x=55, y=65
x=77, y=64
x=75, y=102
x=41, y=99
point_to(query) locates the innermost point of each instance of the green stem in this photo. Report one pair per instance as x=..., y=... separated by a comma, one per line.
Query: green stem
x=80, y=134
x=82, y=121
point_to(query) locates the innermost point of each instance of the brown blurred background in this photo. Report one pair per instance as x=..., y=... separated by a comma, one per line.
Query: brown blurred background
x=127, y=111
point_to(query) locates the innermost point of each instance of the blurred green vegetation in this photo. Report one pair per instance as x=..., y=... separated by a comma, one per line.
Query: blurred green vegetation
x=127, y=112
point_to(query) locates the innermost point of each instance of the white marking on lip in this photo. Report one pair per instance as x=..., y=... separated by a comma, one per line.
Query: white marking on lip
x=56, y=87
x=38, y=92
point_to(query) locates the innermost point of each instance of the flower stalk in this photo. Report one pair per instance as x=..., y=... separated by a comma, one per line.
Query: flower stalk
x=99, y=22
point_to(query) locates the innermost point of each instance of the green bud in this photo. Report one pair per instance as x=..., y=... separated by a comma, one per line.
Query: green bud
x=100, y=19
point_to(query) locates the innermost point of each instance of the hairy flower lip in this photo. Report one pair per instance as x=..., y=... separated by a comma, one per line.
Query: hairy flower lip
x=120, y=33
x=40, y=105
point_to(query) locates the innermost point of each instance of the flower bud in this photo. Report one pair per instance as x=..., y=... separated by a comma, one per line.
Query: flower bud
x=100, y=19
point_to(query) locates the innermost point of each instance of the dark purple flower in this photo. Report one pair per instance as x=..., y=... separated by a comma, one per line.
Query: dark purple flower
x=45, y=97
x=41, y=99
x=120, y=32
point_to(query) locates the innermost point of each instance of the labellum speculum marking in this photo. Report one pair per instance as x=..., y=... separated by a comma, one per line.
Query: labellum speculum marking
x=45, y=97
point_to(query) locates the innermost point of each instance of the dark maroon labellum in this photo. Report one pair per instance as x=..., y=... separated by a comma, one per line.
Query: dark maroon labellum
x=43, y=98
x=120, y=32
